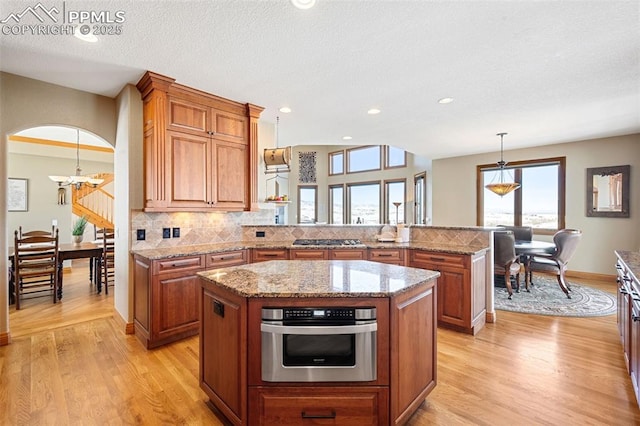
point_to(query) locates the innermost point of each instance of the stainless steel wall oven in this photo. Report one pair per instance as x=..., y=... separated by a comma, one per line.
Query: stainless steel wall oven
x=336, y=344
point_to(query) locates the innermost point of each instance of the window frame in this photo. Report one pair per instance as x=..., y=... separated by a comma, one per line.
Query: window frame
x=315, y=204
x=348, y=187
x=331, y=155
x=423, y=208
x=330, y=202
x=348, y=159
x=387, y=204
x=386, y=158
x=516, y=167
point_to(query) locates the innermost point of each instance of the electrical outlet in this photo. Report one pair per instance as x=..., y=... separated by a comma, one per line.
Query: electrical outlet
x=260, y=234
x=166, y=232
x=176, y=232
x=140, y=234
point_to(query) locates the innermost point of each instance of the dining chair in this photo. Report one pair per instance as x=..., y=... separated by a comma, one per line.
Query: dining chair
x=107, y=262
x=35, y=266
x=566, y=241
x=521, y=233
x=36, y=233
x=505, y=259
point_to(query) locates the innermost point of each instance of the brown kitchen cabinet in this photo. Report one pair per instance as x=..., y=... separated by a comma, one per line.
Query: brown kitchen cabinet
x=200, y=150
x=348, y=254
x=628, y=305
x=262, y=255
x=166, y=294
x=231, y=359
x=311, y=406
x=308, y=254
x=393, y=256
x=461, y=287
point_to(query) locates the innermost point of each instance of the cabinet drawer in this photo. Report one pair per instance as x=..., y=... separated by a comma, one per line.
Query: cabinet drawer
x=260, y=255
x=177, y=264
x=417, y=257
x=311, y=406
x=349, y=254
x=228, y=258
x=386, y=255
x=308, y=254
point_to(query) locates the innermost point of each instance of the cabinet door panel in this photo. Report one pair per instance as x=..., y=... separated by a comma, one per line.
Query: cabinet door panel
x=231, y=174
x=187, y=116
x=229, y=127
x=190, y=168
x=308, y=254
x=453, y=297
x=347, y=254
x=176, y=305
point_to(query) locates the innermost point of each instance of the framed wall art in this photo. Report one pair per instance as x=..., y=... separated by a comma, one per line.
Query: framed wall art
x=18, y=195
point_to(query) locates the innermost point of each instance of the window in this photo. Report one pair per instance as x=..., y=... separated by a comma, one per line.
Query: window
x=539, y=203
x=336, y=204
x=336, y=163
x=420, y=197
x=307, y=204
x=364, y=202
x=394, y=191
x=394, y=157
x=363, y=159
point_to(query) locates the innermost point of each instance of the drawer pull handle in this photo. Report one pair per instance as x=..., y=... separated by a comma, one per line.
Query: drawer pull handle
x=332, y=415
x=270, y=254
x=438, y=259
x=385, y=255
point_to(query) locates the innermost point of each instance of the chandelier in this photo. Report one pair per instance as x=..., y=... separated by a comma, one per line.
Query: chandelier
x=502, y=188
x=78, y=179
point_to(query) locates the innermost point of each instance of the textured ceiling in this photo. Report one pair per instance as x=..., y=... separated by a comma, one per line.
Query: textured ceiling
x=543, y=71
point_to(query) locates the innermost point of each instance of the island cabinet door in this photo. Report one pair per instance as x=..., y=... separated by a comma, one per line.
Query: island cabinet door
x=223, y=352
x=289, y=406
x=175, y=307
x=308, y=254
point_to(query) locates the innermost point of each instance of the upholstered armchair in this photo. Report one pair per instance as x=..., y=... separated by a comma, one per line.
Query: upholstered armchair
x=566, y=241
x=505, y=260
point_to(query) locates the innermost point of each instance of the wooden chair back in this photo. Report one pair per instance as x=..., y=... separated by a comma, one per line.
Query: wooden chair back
x=35, y=265
x=108, y=258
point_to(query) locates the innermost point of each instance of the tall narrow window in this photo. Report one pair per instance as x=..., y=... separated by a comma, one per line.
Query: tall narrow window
x=394, y=157
x=539, y=203
x=336, y=204
x=363, y=159
x=364, y=202
x=420, y=198
x=336, y=163
x=395, y=201
x=307, y=204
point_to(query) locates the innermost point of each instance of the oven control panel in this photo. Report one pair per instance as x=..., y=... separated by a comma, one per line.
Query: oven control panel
x=310, y=314
x=319, y=313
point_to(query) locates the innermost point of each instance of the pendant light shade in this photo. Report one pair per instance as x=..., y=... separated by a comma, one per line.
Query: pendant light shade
x=502, y=188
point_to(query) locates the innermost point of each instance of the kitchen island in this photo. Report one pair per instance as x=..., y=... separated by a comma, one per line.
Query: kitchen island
x=401, y=349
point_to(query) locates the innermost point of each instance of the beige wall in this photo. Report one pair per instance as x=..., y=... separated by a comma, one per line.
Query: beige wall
x=28, y=103
x=454, y=195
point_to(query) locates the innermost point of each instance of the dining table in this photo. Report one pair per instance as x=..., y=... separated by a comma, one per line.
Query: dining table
x=527, y=249
x=66, y=251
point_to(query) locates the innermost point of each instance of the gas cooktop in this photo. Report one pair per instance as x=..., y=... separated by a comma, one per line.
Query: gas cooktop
x=327, y=242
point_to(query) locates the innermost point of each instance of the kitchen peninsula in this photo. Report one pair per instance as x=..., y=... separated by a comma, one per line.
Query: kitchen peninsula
x=238, y=342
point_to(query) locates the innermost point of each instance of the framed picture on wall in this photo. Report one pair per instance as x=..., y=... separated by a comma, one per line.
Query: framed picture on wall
x=17, y=195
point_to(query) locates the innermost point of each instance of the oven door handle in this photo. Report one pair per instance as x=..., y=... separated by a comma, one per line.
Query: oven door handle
x=319, y=330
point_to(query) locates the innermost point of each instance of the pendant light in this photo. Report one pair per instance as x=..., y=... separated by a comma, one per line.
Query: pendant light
x=502, y=188
x=277, y=160
x=78, y=179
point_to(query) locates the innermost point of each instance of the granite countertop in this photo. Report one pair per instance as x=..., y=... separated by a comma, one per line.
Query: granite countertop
x=632, y=260
x=318, y=278
x=194, y=250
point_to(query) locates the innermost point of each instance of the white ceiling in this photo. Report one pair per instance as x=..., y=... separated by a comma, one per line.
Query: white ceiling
x=543, y=71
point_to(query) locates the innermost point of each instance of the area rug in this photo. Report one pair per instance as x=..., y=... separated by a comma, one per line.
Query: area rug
x=546, y=298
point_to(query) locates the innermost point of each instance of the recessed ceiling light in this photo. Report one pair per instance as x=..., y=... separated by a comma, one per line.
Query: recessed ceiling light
x=83, y=32
x=373, y=111
x=286, y=110
x=346, y=138
x=303, y=4
x=445, y=100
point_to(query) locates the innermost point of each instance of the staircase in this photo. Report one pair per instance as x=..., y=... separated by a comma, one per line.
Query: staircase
x=96, y=204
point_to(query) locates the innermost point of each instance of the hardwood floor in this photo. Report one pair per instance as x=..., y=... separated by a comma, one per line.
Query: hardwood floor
x=68, y=364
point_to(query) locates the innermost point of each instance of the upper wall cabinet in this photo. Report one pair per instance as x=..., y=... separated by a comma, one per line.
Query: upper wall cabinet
x=200, y=150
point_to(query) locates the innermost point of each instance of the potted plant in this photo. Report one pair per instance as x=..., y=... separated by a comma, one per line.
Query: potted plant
x=78, y=229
